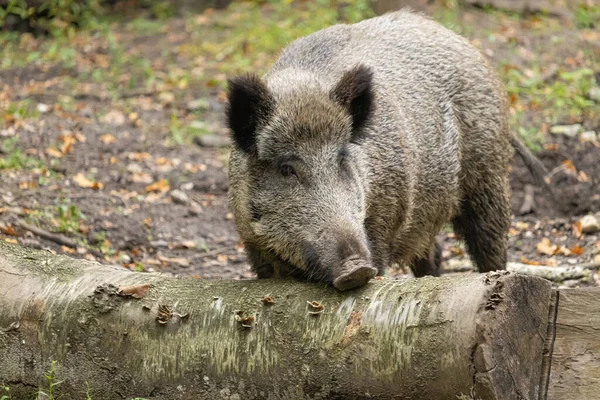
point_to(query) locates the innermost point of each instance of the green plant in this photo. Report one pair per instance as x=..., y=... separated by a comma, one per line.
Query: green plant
x=68, y=218
x=5, y=393
x=532, y=138
x=88, y=396
x=587, y=16
x=11, y=157
x=51, y=381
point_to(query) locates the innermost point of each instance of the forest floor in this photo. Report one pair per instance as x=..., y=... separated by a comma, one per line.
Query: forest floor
x=112, y=145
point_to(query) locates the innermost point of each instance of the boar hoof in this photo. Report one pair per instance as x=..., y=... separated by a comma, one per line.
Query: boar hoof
x=357, y=276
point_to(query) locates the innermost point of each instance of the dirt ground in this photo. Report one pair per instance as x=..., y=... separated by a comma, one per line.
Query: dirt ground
x=106, y=167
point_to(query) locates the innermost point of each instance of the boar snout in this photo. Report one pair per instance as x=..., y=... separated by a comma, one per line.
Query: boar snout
x=356, y=273
x=343, y=257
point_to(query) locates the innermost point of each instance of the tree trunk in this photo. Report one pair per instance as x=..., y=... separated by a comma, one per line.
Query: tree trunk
x=479, y=336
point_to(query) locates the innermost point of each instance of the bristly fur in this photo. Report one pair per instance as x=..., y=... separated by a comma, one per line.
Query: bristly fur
x=355, y=92
x=249, y=102
x=388, y=130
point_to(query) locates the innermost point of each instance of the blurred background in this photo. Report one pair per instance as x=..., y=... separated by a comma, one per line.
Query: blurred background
x=113, y=148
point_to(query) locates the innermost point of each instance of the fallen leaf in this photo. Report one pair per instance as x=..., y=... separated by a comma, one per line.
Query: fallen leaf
x=11, y=241
x=544, y=247
x=268, y=300
x=577, y=250
x=184, y=262
x=522, y=225
x=114, y=117
x=162, y=161
x=136, y=291
x=568, y=165
x=67, y=250
x=107, y=139
x=84, y=182
x=27, y=185
x=8, y=230
x=577, y=229
x=222, y=258
x=527, y=262
x=139, y=156
x=68, y=142
x=160, y=186
x=80, y=137
x=141, y=177
x=54, y=153
x=582, y=177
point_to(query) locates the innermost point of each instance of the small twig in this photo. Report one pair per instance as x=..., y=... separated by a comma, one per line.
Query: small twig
x=215, y=252
x=591, y=265
x=54, y=237
x=528, y=202
x=89, y=95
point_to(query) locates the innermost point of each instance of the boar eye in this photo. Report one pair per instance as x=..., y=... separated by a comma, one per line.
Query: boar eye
x=287, y=170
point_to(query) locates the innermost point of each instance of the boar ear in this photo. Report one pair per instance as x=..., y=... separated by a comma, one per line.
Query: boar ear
x=355, y=92
x=249, y=102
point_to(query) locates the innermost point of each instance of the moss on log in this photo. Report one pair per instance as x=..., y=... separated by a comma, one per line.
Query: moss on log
x=480, y=336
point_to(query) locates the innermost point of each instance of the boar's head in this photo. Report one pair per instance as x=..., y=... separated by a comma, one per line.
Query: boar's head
x=298, y=172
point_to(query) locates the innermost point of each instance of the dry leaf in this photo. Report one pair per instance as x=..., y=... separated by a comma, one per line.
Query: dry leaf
x=160, y=186
x=544, y=247
x=577, y=250
x=11, y=241
x=136, y=291
x=54, y=153
x=551, y=146
x=522, y=225
x=577, y=229
x=527, y=262
x=568, y=166
x=84, y=182
x=184, y=262
x=268, y=300
x=68, y=250
x=107, y=139
x=114, y=117
x=8, y=230
x=139, y=156
x=141, y=177
x=582, y=177
x=67, y=146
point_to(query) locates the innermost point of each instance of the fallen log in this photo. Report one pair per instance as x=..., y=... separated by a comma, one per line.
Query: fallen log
x=131, y=334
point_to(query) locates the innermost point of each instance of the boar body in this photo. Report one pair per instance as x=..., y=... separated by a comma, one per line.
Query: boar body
x=360, y=143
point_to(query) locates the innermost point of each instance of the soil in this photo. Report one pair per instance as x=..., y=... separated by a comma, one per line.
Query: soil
x=125, y=222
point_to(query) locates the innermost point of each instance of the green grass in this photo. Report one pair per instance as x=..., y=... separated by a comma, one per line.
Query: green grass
x=49, y=392
x=11, y=157
x=587, y=16
x=563, y=98
x=5, y=393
